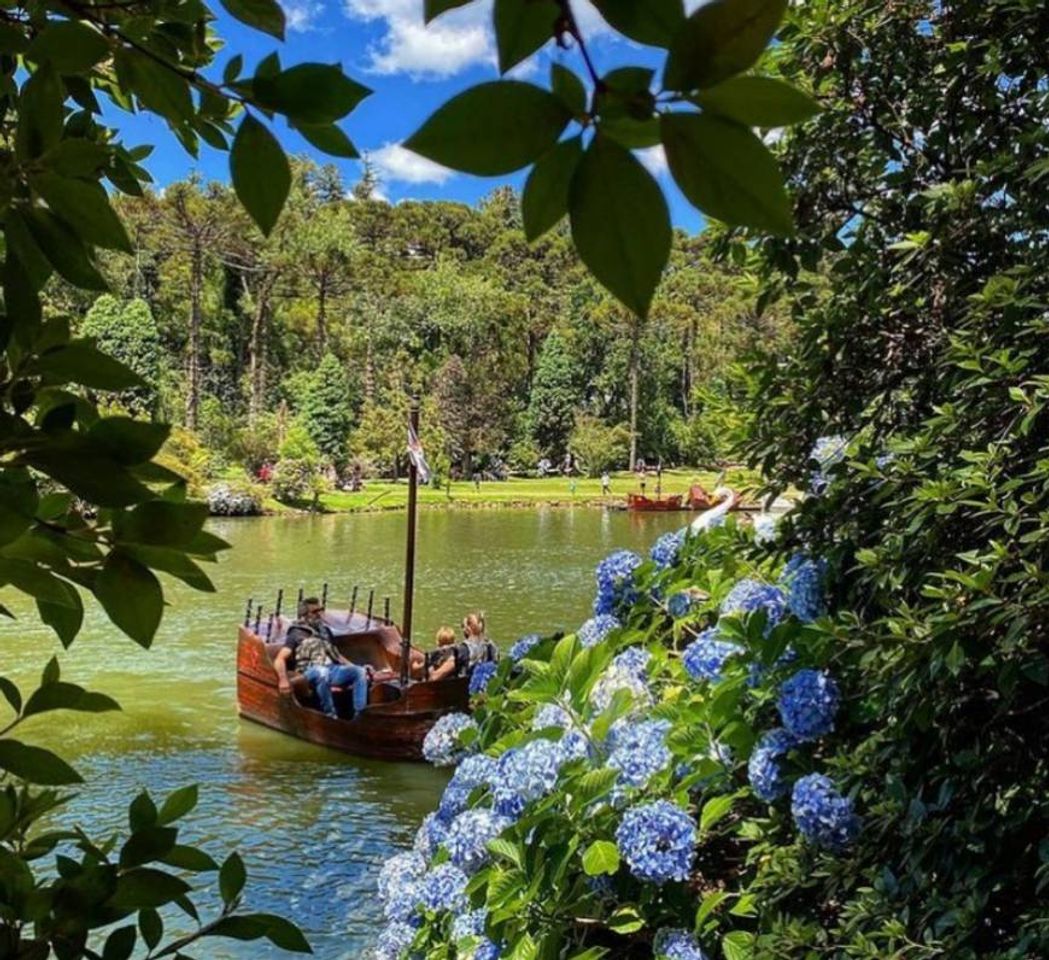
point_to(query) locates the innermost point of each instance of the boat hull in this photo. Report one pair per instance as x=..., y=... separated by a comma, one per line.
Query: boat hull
x=392, y=727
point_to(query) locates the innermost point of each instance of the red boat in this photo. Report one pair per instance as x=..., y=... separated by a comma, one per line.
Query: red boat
x=400, y=711
x=637, y=501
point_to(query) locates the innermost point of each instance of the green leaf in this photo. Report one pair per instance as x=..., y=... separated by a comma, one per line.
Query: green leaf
x=85, y=207
x=120, y=943
x=18, y=504
x=231, y=878
x=727, y=172
x=40, y=114
x=64, y=249
x=189, y=858
x=150, y=926
x=173, y=562
x=147, y=845
x=738, y=945
x=260, y=171
x=80, y=361
x=52, y=672
x=715, y=810
x=160, y=89
x=310, y=93
x=568, y=88
x=282, y=933
x=35, y=764
x=758, y=102
x=145, y=887
x=161, y=523
x=264, y=15
x=233, y=68
x=127, y=441
x=70, y=46
x=654, y=22
x=178, y=804
x=434, y=8
x=68, y=696
x=710, y=903
x=722, y=38
x=35, y=580
x=626, y=920
x=522, y=27
x=545, y=198
x=75, y=157
x=79, y=466
x=65, y=619
x=492, y=129
x=142, y=812
x=620, y=223
x=329, y=138
x=131, y=596
x=602, y=856
x=11, y=693
x=631, y=132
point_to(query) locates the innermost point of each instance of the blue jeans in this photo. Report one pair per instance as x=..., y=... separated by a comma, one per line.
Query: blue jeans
x=339, y=675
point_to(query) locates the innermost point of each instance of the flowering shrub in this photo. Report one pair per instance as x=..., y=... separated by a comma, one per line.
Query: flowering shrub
x=481, y=676
x=642, y=753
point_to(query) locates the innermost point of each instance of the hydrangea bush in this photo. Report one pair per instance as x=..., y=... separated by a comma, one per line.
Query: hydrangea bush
x=625, y=790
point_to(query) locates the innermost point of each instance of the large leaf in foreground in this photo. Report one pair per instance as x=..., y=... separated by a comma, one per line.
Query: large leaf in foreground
x=260, y=171
x=492, y=129
x=620, y=222
x=726, y=171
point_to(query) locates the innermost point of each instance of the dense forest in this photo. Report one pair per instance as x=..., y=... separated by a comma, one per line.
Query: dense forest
x=305, y=347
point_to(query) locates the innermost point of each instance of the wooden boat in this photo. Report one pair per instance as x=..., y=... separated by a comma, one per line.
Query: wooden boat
x=400, y=711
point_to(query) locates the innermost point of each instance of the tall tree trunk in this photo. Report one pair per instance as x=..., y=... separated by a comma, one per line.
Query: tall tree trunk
x=369, y=371
x=196, y=278
x=634, y=359
x=257, y=348
x=322, y=316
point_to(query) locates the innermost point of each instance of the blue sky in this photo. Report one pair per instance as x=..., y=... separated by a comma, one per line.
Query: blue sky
x=412, y=70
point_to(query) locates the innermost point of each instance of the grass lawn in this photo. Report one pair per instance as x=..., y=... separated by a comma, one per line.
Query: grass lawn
x=385, y=495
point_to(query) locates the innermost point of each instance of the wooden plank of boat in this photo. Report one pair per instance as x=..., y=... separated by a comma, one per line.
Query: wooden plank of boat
x=391, y=727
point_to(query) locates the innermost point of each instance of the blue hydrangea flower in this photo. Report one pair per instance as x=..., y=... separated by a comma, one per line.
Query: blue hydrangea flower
x=883, y=460
x=679, y=604
x=441, y=745
x=827, y=452
x=638, y=750
x=394, y=941
x=706, y=656
x=596, y=629
x=802, y=580
x=486, y=950
x=481, y=677
x=469, y=924
x=615, y=582
x=474, y=771
x=765, y=528
x=676, y=944
x=430, y=835
x=612, y=681
x=522, y=647
x=574, y=745
x=633, y=660
x=443, y=888
x=749, y=596
x=657, y=840
x=807, y=704
x=454, y=800
x=468, y=836
x=551, y=715
x=398, y=873
x=763, y=769
x=823, y=815
x=665, y=550
x=524, y=774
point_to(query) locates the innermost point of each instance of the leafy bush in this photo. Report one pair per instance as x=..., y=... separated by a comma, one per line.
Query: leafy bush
x=325, y=407
x=597, y=446
x=299, y=474
x=127, y=331
x=184, y=454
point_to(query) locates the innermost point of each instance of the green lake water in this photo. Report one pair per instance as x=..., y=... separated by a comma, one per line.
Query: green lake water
x=312, y=825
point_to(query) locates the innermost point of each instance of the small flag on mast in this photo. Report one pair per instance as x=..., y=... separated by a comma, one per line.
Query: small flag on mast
x=415, y=452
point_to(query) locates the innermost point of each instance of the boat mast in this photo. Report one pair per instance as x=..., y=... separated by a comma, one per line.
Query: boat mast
x=409, y=558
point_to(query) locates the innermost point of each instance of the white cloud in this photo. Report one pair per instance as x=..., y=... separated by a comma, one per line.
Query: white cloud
x=450, y=44
x=655, y=159
x=455, y=41
x=301, y=15
x=394, y=162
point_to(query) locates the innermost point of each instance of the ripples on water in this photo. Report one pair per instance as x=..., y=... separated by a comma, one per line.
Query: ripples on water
x=312, y=825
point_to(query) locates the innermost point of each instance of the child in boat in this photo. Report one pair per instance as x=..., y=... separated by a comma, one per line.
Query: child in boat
x=443, y=658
